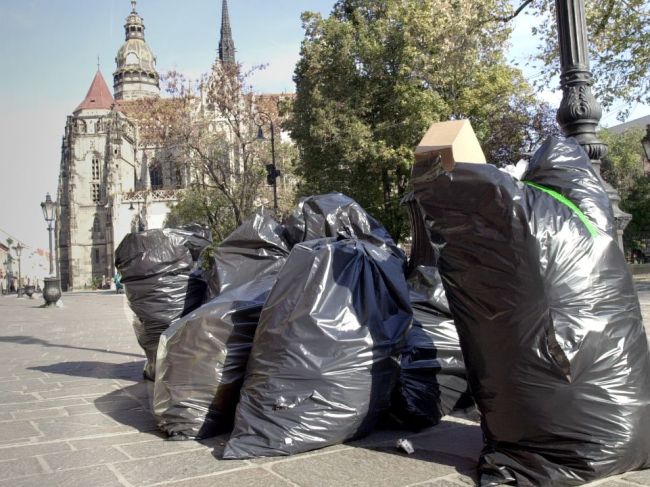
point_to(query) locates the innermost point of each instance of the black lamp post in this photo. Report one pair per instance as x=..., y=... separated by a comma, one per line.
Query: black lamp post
x=51, y=284
x=49, y=207
x=19, y=250
x=272, y=172
x=579, y=111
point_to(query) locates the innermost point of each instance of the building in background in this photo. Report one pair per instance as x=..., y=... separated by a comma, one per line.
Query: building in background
x=110, y=182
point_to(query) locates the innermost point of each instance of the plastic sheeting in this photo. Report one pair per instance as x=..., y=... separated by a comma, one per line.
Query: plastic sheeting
x=548, y=317
x=202, y=360
x=157, y=269
x=324, y=359
x=432, y=380
x=256, y=249
x=337, y=215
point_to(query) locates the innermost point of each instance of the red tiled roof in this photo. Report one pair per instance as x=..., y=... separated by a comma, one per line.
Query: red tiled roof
x=98, y=96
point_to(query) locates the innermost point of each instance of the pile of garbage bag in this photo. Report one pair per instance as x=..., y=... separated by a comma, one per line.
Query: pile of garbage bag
x=202, y=357
x=547, y=314
x=161, y=283
x=325, y=352
x=337, y=215
x=432, y=380
x=256, y=249
x=202, y=361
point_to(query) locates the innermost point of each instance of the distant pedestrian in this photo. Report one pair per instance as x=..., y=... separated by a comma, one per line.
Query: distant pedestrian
x=117, y=279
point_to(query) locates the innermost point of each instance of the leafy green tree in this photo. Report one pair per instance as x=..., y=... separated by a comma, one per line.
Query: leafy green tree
x=637, y=203
x=619, y=44
x=622, y=167
x=374, y=75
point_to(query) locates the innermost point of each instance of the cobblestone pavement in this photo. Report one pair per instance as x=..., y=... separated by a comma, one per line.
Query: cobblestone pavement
x=74, y=412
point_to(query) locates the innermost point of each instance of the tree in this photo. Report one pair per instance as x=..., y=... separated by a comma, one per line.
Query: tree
x=209, y=128
x=622, y=167
x=374, y=75
x=619, y=44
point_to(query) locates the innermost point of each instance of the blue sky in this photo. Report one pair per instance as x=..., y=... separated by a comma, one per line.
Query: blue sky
x=48, y=54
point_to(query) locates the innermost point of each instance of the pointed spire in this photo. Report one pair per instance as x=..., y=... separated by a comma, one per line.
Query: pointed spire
x=133, y=3
x=98, y=96
x=226, y=44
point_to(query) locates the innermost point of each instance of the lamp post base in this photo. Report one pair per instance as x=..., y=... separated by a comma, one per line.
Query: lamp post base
x=51, y=291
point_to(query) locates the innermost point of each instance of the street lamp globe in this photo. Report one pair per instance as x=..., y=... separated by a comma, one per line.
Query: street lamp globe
x=19, y=249
x=48, y=208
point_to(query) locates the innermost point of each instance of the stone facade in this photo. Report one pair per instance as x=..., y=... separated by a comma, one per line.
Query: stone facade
x=110, y=183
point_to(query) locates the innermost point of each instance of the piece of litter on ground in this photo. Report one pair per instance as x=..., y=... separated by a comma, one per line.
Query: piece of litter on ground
x=405, y=445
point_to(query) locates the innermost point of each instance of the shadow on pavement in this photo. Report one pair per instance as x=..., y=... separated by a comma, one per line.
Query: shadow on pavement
x=130, y=405
x=453, y=444
x=97, y=370
x=27, y=340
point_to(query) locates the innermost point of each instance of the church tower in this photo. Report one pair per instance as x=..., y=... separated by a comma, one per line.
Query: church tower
x=226, y=44
x=136, y=75
x=97, y=162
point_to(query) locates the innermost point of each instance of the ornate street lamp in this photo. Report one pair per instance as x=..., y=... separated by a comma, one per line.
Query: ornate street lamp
x=51, y=284
x=579, y=112
x=272, y=172
x=49, y=207
x=19, y=250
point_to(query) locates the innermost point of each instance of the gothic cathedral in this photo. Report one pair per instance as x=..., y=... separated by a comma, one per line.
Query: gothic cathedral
x=110, y=183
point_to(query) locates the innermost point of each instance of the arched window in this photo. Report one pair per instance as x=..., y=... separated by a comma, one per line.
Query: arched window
x=156, y=176
x=132, y=58
x=95, y=169
x=179, y=178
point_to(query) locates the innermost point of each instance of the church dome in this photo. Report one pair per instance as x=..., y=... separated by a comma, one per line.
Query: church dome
x=136, y=75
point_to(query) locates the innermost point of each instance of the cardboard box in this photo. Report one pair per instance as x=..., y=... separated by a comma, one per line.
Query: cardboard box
x=454, y=141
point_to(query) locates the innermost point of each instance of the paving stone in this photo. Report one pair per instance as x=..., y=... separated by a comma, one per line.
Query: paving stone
x=79, y=391
x=469, y=479
x=77, y=426
x=250, y=477
x=31, y=450
x=14, y=431
x=126, y=404
x=41, y=404
x=84, y=458
x=462, y=440
x=178, y=466
x=123, y=438
x=139, y=419
x=26, y=386
x=40, y=413
x=441, y=483
x=85, y=477
x=642, y=477
x=15, y=397
x=361, y=467
x=11, y=469
x=159, y=447
x=258, y=461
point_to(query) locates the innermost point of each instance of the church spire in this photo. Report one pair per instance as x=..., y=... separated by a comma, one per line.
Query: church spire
x=226, y=44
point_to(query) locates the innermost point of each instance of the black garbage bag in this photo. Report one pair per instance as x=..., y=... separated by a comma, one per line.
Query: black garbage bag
x=202, y=360
x=336, y=215
x=160, y=282
x=432, y=381
x=324, y=358
x=256, y=249
x=547, y=315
